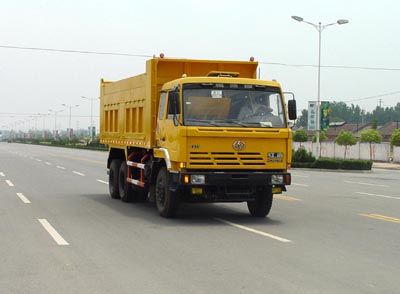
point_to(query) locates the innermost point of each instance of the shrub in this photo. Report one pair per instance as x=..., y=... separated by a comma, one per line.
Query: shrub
x=353, y=164
x=395, y=139
x=328, y=163
x=300, y=136
x=345, y=139
x=357, y=164
x=301, y=155
x=303, y=164
x=370, y=136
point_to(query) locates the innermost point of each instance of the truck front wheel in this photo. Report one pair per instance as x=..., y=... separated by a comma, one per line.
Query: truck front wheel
x=166, y=201
x=261, y=206
x=113, y=178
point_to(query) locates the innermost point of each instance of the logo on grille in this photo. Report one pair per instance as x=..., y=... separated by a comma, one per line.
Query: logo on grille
x=238, y=145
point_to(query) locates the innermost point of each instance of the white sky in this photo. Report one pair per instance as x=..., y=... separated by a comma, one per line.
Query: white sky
x=34, y=81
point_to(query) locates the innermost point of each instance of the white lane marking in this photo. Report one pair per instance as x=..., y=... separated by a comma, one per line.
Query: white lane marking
x=53, y=233
x=48, y=163
x=37, y=159
x=2, y=174
x=104, y=182
x=286, y=198
x=366, y=184
x=300, y=176
x=378, y=195
x=9, y=183
x=297, y=184
x=23, y=198
x=253, y=230
x=78, y=173
x=60, y=167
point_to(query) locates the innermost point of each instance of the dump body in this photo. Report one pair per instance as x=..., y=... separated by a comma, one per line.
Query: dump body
x=128, y=108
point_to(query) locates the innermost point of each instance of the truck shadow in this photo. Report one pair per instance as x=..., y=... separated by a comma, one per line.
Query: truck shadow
x=200, y=214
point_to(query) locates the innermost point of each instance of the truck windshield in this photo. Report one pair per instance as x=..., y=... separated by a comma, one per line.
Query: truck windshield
x=232, y=105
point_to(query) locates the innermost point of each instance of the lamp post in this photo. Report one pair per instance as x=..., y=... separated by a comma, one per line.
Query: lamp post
x=91, y=113
x=319, y=27
x=69, y=124
x=55, y=120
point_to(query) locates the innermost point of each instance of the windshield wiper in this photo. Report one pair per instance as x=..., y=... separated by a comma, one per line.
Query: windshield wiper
x=201, y=121
x=231, y=122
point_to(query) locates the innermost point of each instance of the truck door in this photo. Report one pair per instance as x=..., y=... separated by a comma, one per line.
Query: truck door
x=168, y=123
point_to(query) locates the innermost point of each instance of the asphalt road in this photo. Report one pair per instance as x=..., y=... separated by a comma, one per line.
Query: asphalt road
x=332, y=232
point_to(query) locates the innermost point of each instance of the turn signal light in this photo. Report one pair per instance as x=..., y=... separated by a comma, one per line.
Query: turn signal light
x=186, y=179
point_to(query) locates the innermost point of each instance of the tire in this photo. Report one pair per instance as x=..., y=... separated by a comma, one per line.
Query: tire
x=113, y=176
x=127, y=191
x=261, y=206
x=125, y=188
x=166, y=201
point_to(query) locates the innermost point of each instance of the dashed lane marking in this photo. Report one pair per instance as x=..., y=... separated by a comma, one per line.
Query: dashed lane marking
x=53, y=233
x=301, y=185
x=366, y=184
x=9, y=183
x=286, y=198
x=60, y=167
x=48, y=163
x=253, y=230
x=104, y=182
x=382, y=217
x=78, y=173
x=37, y=159
x=23, y=198
x=378, y=195
x=300, y=176
x=2, y=174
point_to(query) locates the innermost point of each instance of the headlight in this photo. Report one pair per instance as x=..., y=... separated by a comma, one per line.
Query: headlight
x=197, y=179
x=277, y=179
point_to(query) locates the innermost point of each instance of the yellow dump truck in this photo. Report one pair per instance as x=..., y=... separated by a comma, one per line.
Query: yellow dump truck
x=197, y=131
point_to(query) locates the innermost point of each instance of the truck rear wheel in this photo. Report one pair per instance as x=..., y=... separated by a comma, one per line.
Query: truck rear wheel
x=261, y=206
x=113, y=178
x=125, y=189
x=166, y=200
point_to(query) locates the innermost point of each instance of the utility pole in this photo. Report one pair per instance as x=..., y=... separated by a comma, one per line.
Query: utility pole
x=91, y=113
x=69, y=123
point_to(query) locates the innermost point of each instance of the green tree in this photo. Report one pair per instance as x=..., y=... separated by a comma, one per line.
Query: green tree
x=300, y=136
x=374, y=123
x=395, y=139
x=370, y=136
x=345, y=139
x=302, y=119
x=322, y=137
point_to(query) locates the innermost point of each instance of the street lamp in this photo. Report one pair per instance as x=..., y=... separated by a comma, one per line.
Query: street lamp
x=55, y=120
x=319, y=27
x=69, y=124
x=91, y=113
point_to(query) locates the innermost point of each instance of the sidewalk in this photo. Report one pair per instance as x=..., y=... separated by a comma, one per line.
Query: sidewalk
x=386, y=165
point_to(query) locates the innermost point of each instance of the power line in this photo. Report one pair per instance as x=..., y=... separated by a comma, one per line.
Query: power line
x=332, y=66
x=73, y=51
x=375, y=96
x=149, y=56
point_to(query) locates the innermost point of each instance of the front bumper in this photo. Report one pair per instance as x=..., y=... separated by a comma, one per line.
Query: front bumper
x=229, y=186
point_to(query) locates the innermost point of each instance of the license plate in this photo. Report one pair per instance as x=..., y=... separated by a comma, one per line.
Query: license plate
x=276, y=190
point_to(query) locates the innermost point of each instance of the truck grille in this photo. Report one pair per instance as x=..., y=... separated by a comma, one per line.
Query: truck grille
x=227, y=159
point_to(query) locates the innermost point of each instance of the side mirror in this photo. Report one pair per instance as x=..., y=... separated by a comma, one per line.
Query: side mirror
x=174, y=107
x=292, y=109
